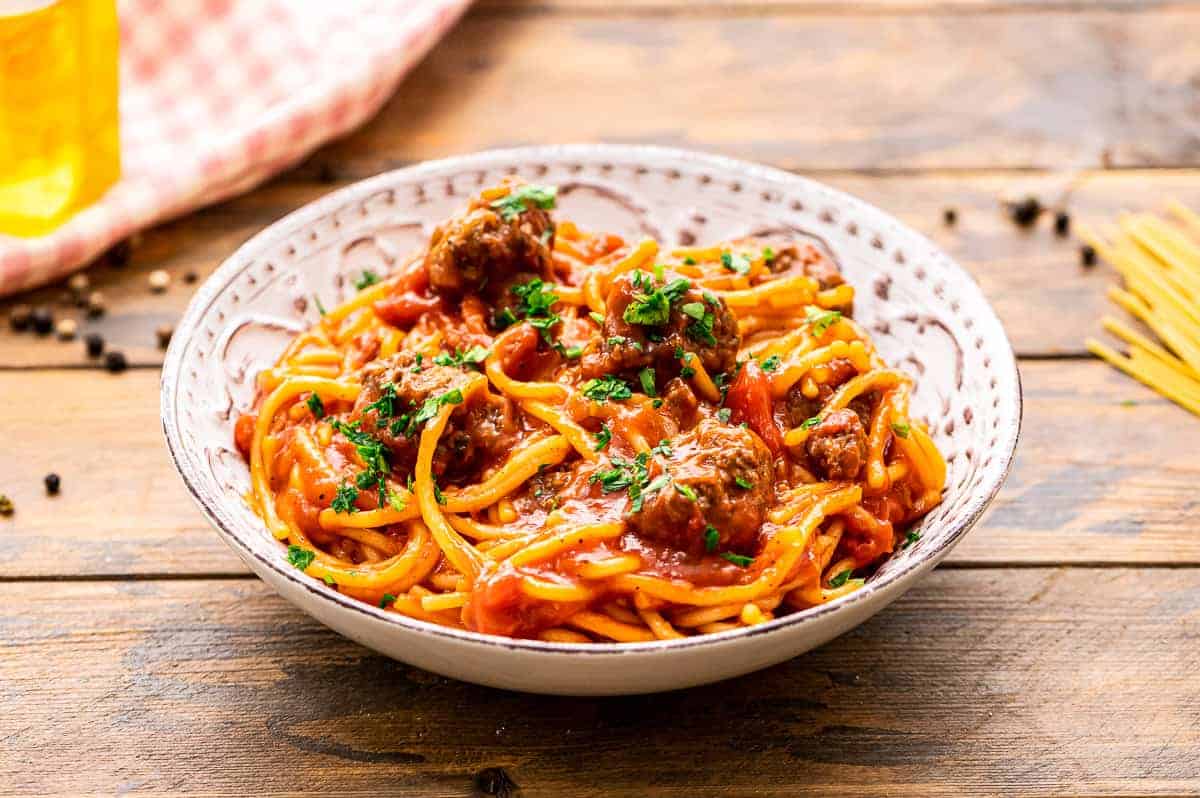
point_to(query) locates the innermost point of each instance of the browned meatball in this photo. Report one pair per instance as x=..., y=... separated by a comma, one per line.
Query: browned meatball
x=694, y=321
x=800, y=408
x=482, y=245
x=837, y=446
x=808, y=260
x=680, y=403
x=483, y=428
x=728, y=470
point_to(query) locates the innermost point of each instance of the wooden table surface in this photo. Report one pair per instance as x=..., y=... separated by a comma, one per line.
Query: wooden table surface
x=1057, y=651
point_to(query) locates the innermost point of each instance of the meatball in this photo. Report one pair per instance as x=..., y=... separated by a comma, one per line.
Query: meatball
x=808, y=260
x=689, y=321
x=837, y=446
x=483, y=428
x=721, y=477
x=799, y=408
x=680, y=403
x=488, y=244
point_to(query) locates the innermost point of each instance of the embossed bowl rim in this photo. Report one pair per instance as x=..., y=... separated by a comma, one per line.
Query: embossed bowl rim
x=901, y=577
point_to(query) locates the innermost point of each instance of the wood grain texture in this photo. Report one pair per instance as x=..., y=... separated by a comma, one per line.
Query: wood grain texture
x=816, y=91
x=1033, y=278
x=1095, y=480
x=1038, y=682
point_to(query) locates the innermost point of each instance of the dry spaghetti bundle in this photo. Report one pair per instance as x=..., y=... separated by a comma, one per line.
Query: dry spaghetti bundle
x=1159, y=262
x=533, y=430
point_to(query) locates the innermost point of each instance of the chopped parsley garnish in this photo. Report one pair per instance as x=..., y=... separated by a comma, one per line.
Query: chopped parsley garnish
x=735, y=263
x=657, y=403
x=315, y=405
x=770, y=364
x=387, y=601
x=740, y=560
x=320, y=307
x=398, y=504
x=689, y=260
x=711, y=538
x=343, y=500
x=687, y=371
x=385, y=405
x=365, y=280
x=621, y=340
x=911, y=538
x=723, y=414
x=517, y=201
x=437, y=494
x=433, y=404
x=300, y=556
x=606, y=387
x=653, y=309
x=840, y=579
x=693, y=309
x=374, y=457
x=597, y=317
x=646, y=377
x=329, y=580
x=743, y=483
x=702, y=329
x=821, y=320
x=686, y=492
x=469, y=359
x=536, y=307
x=901, y=429
x=602, y=438
x=631, y=476
x=809, y=423
x=768, y=255
x=569, y=352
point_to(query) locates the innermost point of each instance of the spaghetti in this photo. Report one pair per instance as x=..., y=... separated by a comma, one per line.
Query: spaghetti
x=1159, y=263
x=532, y=430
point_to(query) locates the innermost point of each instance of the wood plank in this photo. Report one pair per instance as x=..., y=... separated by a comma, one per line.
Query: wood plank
x=814, y=91
x=1030, y=276
x=1095, y=481
x=1065, y=682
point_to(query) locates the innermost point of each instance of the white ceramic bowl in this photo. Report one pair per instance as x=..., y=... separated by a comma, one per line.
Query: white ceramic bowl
x=926, y=314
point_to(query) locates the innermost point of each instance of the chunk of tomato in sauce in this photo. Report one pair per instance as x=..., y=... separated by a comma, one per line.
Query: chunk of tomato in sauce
x=749, y=398
x=499, y=607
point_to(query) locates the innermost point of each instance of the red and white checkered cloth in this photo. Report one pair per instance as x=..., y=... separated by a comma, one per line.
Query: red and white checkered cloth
x=218, y=95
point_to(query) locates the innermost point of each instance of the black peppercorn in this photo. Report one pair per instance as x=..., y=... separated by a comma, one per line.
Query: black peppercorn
x=950, y=217
x=94, y=344
x=53, y=483
x=1026, y=211
x=1087, y=255
x=1062, y=223
x=20, y=317
x=118, y=257
x=43, y=320
x=115, y=362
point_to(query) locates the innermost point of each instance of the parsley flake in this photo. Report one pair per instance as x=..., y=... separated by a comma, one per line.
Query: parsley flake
x=740, y=560
x=315, y=405
x=735, y=263
x=821, y=320
x=911, y=538
x=606, y=387
x=300, y=556
x=771, y=363
x=365, y=280
x=900, y=429
x=840, y=579
x=712, y=537
x=602, y=438
x=646, y=377
x=724, y=414
x=343, y=500
x=809, y=423
x=387, y=601
x=517, y=201
x=686, y=492
x=743, y=483
x=469, y=359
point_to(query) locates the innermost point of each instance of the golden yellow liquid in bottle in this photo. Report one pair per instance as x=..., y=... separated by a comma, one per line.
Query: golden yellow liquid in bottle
x=59, y=147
